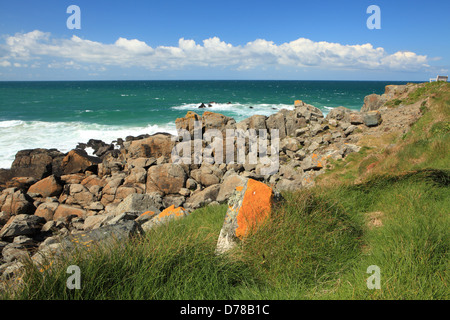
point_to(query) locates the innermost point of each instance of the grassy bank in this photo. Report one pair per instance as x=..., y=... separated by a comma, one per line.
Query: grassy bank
x=317, y=244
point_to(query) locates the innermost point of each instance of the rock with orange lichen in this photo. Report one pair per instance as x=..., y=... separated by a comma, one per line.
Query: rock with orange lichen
x=188, y=122
x=168, y=214
x=248, y=208
x=47, y=187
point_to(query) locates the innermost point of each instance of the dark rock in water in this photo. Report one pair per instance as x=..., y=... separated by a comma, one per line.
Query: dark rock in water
x=202, y=106
x=118, y=142
x=251, y=107
x=139, y=137
x=100, y=152
x=100, y=147
x=95, y=144
x=81, y=146
x=209, y=105
x=36, y=163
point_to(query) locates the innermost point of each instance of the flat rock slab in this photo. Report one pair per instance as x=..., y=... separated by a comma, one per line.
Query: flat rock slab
x=22, y=225
x=168, y=214
x=103, y=235
x=248, y=208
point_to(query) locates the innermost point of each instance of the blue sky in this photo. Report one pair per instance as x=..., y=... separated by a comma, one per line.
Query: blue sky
x=317, y=40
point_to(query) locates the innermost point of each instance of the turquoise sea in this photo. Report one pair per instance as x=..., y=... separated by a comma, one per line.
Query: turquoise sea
x=62, y=114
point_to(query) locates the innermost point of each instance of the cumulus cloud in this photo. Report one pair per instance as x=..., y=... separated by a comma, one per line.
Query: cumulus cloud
x=212, y=52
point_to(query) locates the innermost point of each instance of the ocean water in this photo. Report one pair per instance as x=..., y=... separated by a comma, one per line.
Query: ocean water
x=62, y=114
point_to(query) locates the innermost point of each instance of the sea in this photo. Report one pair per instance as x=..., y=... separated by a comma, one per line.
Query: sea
x=61, y=114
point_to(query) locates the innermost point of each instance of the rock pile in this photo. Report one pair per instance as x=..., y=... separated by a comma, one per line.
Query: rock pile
x=48, y=196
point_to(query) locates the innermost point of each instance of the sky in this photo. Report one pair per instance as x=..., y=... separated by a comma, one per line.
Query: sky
x=274, y=40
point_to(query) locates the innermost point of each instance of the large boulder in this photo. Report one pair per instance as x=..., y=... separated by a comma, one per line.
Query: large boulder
x=203, y=197
x=257, y=122
x=277, y=121
x=47, y=187
x=36, y=163
x=187, y=123
x=157, y=145
x=139, y=203
x=103, y=236
x=372, y=118
x=46, y=210
x=15, y=202
x=373, y=102
x=166, y=178
x=212, y=120
x=64, y=211
x=248, y=208
x=22, y=225
x=79, y=161
x=293, y=123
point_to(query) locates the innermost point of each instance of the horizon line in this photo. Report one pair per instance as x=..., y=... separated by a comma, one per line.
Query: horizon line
x=104, y=80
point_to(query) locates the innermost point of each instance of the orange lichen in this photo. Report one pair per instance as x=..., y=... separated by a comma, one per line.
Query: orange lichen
x=177, y=212
x=255, y=208
x=239, y=188
x=150, y=213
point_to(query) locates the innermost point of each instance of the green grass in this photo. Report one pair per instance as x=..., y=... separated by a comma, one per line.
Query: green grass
x=176, y=261
x=316, y=245
x=424, y=91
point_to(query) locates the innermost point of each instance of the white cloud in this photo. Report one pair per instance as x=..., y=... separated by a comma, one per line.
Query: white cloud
x=213, y=52
x=5, y=63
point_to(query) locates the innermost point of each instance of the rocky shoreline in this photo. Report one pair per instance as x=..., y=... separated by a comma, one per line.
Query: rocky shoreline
x=48, y=198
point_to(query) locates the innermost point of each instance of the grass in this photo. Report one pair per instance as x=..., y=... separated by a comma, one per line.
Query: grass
x=317, y=244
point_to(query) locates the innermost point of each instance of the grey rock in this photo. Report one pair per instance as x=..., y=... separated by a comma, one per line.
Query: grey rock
x=203, y=197
x=22, y=224
x=228, y=186
x=123, y=217
x=372, y=118
x=103, y=236
x=175, y=200
x=14, y=251
x=140, y=203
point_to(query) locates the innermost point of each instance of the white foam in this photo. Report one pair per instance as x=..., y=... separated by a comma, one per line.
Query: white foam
x=237, y=110
x=64, y=136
